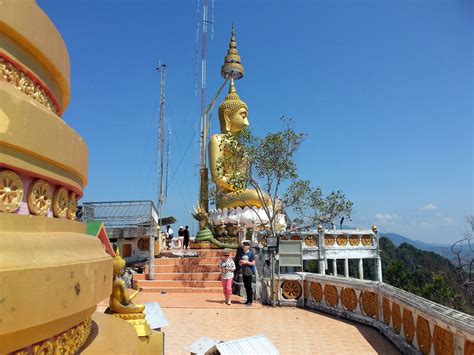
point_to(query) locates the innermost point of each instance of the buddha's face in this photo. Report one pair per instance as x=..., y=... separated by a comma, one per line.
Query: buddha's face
x=238, y=121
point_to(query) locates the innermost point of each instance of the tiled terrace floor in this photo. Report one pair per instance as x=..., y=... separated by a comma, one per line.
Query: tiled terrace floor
x=291, y=330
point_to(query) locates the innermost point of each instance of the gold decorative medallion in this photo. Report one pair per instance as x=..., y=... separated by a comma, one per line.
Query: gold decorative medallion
x=329, y=240
x=72, y=206
x=366, y=240
x=349, y=299
x=144, y=244
x=387, y=314
x=443, y=341
x=311, y=240
x=396, y=318
x=423, y=335
x=341, y=240
x=408, y=325
x=354, y=240
x=369, y=303
x=316, y=292
x=60, y=203
x=291, y=290
x=11, y=191
x=331, y=295
x=39, y=198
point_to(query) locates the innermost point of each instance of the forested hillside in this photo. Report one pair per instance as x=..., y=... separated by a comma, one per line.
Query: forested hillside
x=423, y=273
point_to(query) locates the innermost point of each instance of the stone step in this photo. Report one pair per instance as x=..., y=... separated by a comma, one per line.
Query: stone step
x=187, y=261
x=200, y=252
x=178, y=283
x=210, y=276
x=183, y=289
x=170, y=276
x=181, y=269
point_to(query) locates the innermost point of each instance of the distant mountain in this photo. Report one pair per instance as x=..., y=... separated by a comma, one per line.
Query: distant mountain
x=398, y=239
x=441, y=249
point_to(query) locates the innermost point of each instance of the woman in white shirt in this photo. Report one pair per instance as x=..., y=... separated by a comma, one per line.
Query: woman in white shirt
x=227, y=275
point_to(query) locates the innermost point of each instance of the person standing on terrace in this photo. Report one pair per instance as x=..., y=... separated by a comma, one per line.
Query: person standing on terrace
x=227, y=275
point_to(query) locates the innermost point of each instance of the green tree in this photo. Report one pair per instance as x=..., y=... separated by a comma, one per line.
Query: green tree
x=438, y=291
x=312, y=207
x=269, y=164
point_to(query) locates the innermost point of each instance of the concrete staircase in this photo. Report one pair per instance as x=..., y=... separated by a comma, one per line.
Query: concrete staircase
x=184, y=274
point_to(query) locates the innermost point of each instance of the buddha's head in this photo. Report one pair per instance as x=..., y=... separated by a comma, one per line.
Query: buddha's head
x=119, y=264
x=233, y=112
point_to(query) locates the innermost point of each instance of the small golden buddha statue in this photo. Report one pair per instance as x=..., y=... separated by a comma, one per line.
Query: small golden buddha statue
x=120, y=301
x=233, y=117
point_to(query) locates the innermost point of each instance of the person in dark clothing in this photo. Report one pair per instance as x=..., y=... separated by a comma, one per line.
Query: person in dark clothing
x=186, y=237
x=238, y=256
x=246, y=262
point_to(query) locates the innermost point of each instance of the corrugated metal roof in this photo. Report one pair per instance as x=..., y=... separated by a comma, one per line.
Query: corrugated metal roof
x=258, y=344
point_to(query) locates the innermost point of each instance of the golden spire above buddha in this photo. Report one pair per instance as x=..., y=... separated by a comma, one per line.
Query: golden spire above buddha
x=232, y=68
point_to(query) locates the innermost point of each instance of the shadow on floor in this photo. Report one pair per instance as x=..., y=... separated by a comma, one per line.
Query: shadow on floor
x=376, y=339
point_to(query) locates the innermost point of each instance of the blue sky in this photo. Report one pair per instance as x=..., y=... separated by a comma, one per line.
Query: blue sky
x=384, y=90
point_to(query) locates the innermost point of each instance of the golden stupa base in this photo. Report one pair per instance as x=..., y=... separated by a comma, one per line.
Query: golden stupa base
x=112, y=335
x=152, y=344
x=137, y=321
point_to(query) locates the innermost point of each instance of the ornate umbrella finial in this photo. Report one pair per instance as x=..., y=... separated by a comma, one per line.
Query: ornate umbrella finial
x=232, y=68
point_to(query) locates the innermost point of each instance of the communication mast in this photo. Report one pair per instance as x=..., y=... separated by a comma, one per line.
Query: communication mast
x=161, y=164
x=202, y=141
x=161, y=140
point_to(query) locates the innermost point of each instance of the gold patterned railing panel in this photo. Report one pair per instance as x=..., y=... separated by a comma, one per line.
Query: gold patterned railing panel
x=349, y=299
x=408, y=325
x=443, y=341
x=387, y=313
x=396, y=318
x=354, y=240
x=423, y=335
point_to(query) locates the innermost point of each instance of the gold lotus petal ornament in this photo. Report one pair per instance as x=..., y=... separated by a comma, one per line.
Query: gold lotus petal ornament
x=72, y=206
x=11, y=191
x=60, y=203
x=40, y=197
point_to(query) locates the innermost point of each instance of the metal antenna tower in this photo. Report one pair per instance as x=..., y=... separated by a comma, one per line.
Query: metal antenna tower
x=202, y=166
x=161, y=139
x=203, y=79
x=161, y=158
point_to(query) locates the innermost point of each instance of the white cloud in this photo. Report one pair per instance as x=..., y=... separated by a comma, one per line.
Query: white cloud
x=386, y=217
x=428, y=207
x=447, y=221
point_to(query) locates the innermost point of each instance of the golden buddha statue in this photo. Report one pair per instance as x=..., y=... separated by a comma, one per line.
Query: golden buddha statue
x=120, y=300
x=233, y=117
